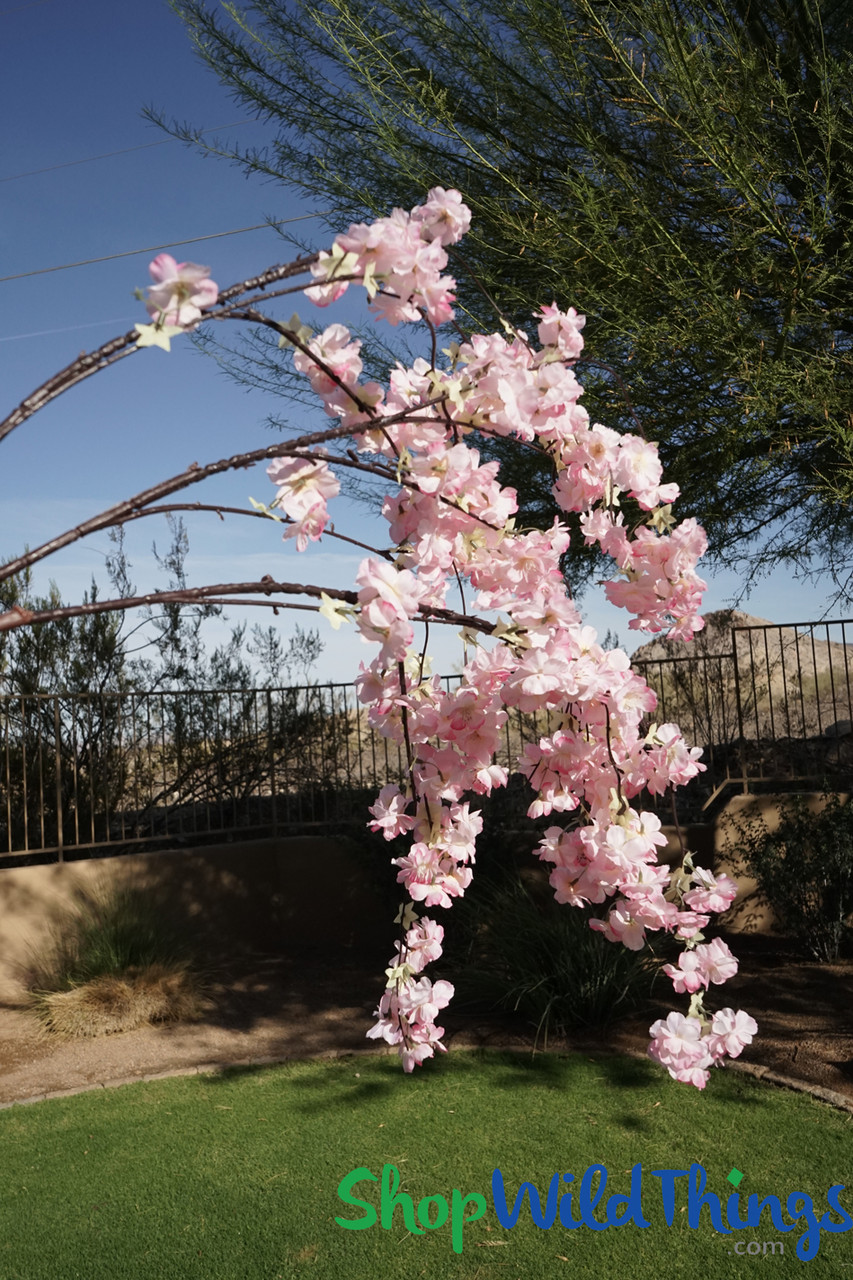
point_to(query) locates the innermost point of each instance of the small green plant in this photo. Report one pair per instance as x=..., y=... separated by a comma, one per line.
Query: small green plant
x=115, y=962
x=106, y=935
x=542, y=960
x=804, y=872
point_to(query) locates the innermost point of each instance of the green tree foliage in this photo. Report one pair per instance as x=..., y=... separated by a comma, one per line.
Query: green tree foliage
x=79, y=654
x=677, y=170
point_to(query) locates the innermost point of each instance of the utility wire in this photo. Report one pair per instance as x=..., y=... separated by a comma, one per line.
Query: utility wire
x=70, y=328
x=21, y=7
x=143, y=146
x=171, y=244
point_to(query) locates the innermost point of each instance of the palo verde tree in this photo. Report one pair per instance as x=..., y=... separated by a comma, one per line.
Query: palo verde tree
x=679, y=169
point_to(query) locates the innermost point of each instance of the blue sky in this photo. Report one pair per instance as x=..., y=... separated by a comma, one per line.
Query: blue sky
x=75, y=77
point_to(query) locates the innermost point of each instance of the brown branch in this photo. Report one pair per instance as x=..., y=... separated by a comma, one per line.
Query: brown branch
x=258, y=317
x=17, y=617
x=281, y=272
x=131, y=508
x=81, y=368
x=193, y=474
x=117, y=348
x=168, y=508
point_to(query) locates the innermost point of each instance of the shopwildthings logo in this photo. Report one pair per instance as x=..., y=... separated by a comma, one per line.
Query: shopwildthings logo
x=571, y=1204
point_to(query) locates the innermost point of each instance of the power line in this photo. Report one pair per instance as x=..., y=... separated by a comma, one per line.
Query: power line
x=106, y=155
x=20, y=7
x=171, y=244
x=70, y=328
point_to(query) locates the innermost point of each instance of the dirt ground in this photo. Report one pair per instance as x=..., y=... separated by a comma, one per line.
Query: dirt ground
x=276, y=1008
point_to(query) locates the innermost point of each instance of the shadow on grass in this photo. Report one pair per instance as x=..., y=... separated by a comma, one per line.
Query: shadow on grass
x=639, y=1086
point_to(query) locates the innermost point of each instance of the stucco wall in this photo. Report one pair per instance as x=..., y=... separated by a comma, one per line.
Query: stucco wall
x=300, y=891
x=716, y=846
x=265, y=894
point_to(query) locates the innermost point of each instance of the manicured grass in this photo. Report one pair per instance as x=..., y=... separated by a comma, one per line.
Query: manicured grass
x=236, y=1177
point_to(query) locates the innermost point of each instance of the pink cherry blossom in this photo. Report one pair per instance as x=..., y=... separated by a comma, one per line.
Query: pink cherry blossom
x=712, y=893
x=561, y=329
x=423, y=943
x=389, y=813
x=451, y=522
x=689, y=974
x=731, y=1032
x=304, y=485
x=708, y=963
x=181, y=291
x=717, y=961
x=443, y=217
x=679, y=1045
x=620, y=926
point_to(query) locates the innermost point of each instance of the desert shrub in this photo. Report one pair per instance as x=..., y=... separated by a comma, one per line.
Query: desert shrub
x=115, y=962
x=106, y=935
x=529, y=954
x=804, y=872
x=107, y=1004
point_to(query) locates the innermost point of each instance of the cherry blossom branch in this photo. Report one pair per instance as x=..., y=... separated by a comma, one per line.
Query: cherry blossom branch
x=131, y=507
x=542, y=654
x=124, y=345
x=170, y=508
x=258, y=317
x=83, y=367
x=18, y=617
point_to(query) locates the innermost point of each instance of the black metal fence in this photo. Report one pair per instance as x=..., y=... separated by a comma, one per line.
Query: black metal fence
x=87, y=771
x=768, y=704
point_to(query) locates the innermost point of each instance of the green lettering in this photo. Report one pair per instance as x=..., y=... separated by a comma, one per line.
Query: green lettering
x=441, y=1212
x=390, y=1200
x=345, y=1186
x=458, y=1217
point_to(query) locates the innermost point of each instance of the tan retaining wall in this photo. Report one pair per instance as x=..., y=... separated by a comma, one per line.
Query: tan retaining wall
x=715, y=846
x=262, y=894
x=302, y=891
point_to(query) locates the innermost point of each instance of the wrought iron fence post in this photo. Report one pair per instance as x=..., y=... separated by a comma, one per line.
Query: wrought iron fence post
x=58, y=765
x=740, y=738
x=272, y=764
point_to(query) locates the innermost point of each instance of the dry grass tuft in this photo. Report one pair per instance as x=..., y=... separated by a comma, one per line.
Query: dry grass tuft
x=108, y=1004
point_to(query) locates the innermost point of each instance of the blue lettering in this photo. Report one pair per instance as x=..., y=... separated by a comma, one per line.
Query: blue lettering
x=633, y=1203
x=755, y=1210
x=809, y=1242
x=832, y=1200
x=696, y=1199
x=566, y=1218
x=667, y=1190
x=585, y=1204
x=733, y=1211
x=540, y=1219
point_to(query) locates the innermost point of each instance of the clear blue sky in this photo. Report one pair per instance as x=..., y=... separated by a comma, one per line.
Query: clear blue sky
x=75, y=77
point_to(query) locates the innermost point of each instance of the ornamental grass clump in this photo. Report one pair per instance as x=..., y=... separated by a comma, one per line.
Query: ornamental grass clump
x=114, y=963
x=547, y=965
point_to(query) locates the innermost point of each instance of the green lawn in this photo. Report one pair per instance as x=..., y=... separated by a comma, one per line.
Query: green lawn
x=235, y=1177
